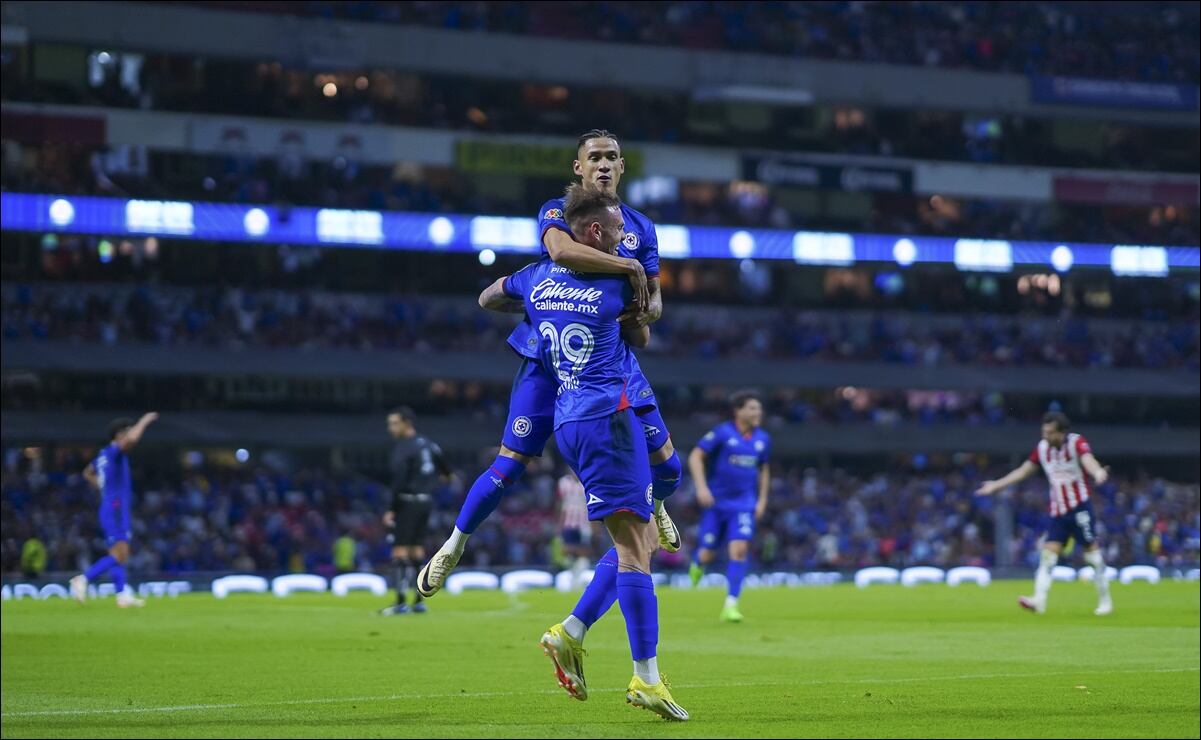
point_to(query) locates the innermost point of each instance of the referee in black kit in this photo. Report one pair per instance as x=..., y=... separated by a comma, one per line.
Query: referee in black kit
x=417, y=467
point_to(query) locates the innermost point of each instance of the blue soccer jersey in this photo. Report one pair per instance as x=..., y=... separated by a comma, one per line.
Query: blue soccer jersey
x=581, y=347
x=640, y=242
x=734, y=461
x=580, y=344
x=116, y=491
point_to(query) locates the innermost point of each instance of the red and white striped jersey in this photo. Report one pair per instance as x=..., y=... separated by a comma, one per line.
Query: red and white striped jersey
x=573, y=508
x=1069, y=482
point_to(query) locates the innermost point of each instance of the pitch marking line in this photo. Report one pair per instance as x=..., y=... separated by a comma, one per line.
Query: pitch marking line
x=484, y=694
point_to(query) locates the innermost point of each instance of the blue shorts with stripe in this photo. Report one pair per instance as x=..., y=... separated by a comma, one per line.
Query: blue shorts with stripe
x=719, y=525
x=609, y=456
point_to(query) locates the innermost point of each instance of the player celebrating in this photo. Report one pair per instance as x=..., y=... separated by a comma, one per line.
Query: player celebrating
x=729, y=466
x=109, y=472
x=417, y=466
x=1065, y=458
x=585, y=347
x=599, y=166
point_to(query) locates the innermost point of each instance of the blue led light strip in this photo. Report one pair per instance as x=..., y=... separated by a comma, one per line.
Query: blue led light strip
x=463, y=233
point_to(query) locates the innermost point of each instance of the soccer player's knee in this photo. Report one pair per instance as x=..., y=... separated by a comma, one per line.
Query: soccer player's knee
x=738, y=550
x=706, y=556
x=634, y=565
x=514, y=455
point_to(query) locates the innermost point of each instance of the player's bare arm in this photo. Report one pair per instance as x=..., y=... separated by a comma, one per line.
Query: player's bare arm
x=1094, y=468
x=1017, y=475
x=494, y=299
x=635, y=334
x=89, y=473
x=654, y=310
x=764, y=487
x=134, y=434
x=569, y=253
x=696, y=466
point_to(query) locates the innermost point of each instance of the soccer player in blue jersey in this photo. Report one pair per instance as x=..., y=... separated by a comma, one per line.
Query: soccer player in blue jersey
x=109, y=472
x=730, y=469
x=585, y=348
x=599, y=166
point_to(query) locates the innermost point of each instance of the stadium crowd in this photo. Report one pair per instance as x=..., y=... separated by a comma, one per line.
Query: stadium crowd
x=234, y=317
x=1156, y=41
x=255, y=519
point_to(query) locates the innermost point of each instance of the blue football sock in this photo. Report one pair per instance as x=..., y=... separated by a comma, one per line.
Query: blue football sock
x=734, y=574
x=100, y=567
x=636, y=594
x=487, y=491
x=119, y=578
x=601, y=592
x=665, y=477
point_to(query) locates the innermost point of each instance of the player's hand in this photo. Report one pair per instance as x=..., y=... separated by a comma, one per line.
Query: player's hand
x=1101, y=476
x=637, y=275
x=987, y=488
x=635, y=318
x=389, y=518
x=704, y=497
x=149, y=418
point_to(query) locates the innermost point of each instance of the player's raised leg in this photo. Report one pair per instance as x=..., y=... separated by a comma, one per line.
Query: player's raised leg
x=666, y=471
x=1047, y=561
x=529, y=426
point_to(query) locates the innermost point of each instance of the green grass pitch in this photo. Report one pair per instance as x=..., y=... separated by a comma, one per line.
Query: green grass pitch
x=889, y=661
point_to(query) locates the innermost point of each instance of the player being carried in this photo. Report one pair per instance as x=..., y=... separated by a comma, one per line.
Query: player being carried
x=599, y=165
x=583, y=346
x=730, y=469
x=1065, y=457
x=109, y=472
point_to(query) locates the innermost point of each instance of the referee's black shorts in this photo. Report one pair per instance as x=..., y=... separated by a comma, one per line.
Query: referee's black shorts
x=412, y=520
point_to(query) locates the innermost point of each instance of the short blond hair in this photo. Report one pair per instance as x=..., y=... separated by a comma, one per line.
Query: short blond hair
x=587, y=204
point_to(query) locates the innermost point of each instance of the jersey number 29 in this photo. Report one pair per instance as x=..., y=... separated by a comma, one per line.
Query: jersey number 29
x=563, y=350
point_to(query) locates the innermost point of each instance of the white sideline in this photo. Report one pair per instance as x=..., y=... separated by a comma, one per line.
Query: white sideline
x=478, y=694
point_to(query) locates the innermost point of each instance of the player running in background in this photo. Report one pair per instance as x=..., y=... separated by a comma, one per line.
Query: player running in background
x=575, y=527
x=109, y=472
x=1065, y=457
x=585, y=347
x=418, y=466
x=599, y=166
x=730, y=469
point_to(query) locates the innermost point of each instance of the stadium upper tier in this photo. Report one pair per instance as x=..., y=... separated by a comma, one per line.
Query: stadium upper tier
x=836, y=204
x=1157, y=43
x=152, y=82
x=1127, y=41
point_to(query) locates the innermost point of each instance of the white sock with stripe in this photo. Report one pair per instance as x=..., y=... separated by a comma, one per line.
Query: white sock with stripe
x=647, y=670
x=1100, y=577
x=575, y=628
x=1042, y=579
